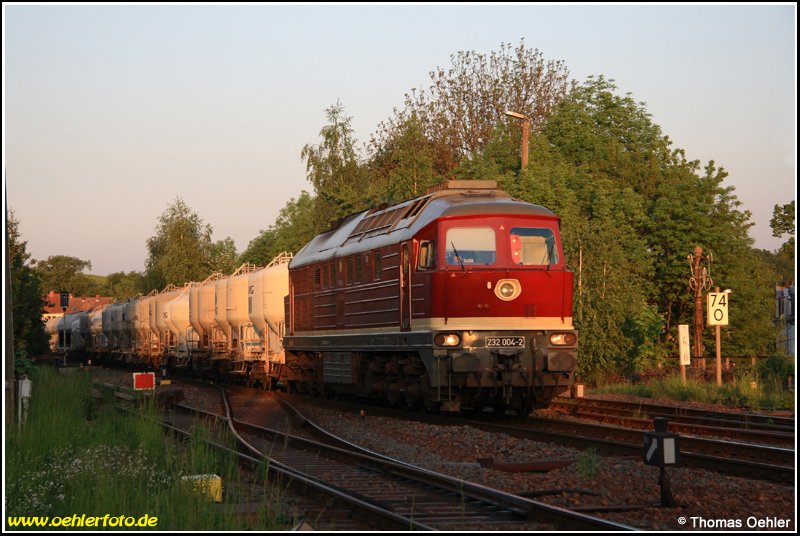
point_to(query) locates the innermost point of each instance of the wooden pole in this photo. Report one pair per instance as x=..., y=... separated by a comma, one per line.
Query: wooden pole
x=526, y=128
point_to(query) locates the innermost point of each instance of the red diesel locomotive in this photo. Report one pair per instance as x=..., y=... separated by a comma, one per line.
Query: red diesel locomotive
x=459, y=298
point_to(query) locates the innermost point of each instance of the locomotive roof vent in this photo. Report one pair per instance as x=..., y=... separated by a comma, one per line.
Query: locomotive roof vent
x=463, y=185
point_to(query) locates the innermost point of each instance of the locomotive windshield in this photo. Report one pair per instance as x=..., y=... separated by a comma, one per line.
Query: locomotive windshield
x=533, y=246
x=470, y=246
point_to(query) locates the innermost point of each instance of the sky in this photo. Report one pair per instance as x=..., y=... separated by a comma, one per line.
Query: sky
x=112, y=112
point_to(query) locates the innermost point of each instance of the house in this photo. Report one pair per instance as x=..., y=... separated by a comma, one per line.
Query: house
x=52, y=304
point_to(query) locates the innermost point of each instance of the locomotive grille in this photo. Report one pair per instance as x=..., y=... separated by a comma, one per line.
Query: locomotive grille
x=337, y=367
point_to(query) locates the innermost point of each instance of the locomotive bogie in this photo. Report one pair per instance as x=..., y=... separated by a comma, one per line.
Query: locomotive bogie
x=410, y=365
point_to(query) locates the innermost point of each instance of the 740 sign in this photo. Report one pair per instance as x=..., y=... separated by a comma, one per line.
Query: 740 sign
x=717, y=307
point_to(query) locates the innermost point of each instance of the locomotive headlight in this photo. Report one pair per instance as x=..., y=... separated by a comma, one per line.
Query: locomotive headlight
x=563, y=339
x=507, y=289
x=446, y=339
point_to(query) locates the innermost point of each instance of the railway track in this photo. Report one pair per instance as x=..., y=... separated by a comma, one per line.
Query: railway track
x=296, y=500
x=725, y=456
x=370, y=491
x=394, y=494
x=248, y=403
x=772, y=429
x=774, y=463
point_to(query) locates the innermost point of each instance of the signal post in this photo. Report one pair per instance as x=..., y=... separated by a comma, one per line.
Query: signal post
x=700, y=281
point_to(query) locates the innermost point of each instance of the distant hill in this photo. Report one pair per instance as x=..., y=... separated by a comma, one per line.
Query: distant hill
x=99, y=280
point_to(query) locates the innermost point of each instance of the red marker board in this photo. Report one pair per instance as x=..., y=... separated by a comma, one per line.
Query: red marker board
x=144, y=380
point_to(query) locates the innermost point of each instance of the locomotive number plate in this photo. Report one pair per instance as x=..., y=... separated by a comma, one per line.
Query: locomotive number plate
x=505, y=342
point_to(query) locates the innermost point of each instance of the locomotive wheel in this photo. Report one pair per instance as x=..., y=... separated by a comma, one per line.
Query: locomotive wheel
x=426, y=403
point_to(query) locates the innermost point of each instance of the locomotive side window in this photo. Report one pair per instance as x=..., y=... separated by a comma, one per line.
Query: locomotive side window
x=376, y=266
x=358, y=268
x=470, y=246
x=350, y=271
x=533, y=246
x=426, y=255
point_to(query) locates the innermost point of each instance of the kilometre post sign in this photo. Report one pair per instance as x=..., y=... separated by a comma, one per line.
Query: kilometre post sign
x=717, y=308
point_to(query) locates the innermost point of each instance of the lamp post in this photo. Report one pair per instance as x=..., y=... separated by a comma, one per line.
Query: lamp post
x=526, y=128
x=64, y=305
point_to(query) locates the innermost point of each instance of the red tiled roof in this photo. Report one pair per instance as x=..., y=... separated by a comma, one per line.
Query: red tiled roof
x=52, y=303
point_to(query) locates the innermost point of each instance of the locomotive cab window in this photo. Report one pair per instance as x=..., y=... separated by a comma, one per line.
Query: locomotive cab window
x=533, y=246
x=470, y=246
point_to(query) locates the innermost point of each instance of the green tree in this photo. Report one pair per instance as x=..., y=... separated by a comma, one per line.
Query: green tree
x=602, y=133
x=26, y=296
x=405, y=165
x=751, y=304
x=223, y=256
x=123, y=286
x=334, y=169
x=182, y=250
x=780, y=262
x=782, y=223
x=612, y=272
x=695, y=208
x=65, y=273
x=641, y=209
x=260, y=248
x=296, y=225
x=465, y=102
x=576, y=169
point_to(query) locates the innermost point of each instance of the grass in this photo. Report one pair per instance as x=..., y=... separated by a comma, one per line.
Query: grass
x=588, y=464
x=766, y=395
x=78, y=456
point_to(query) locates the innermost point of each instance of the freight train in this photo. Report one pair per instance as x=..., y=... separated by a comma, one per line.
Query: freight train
x=460, y=298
